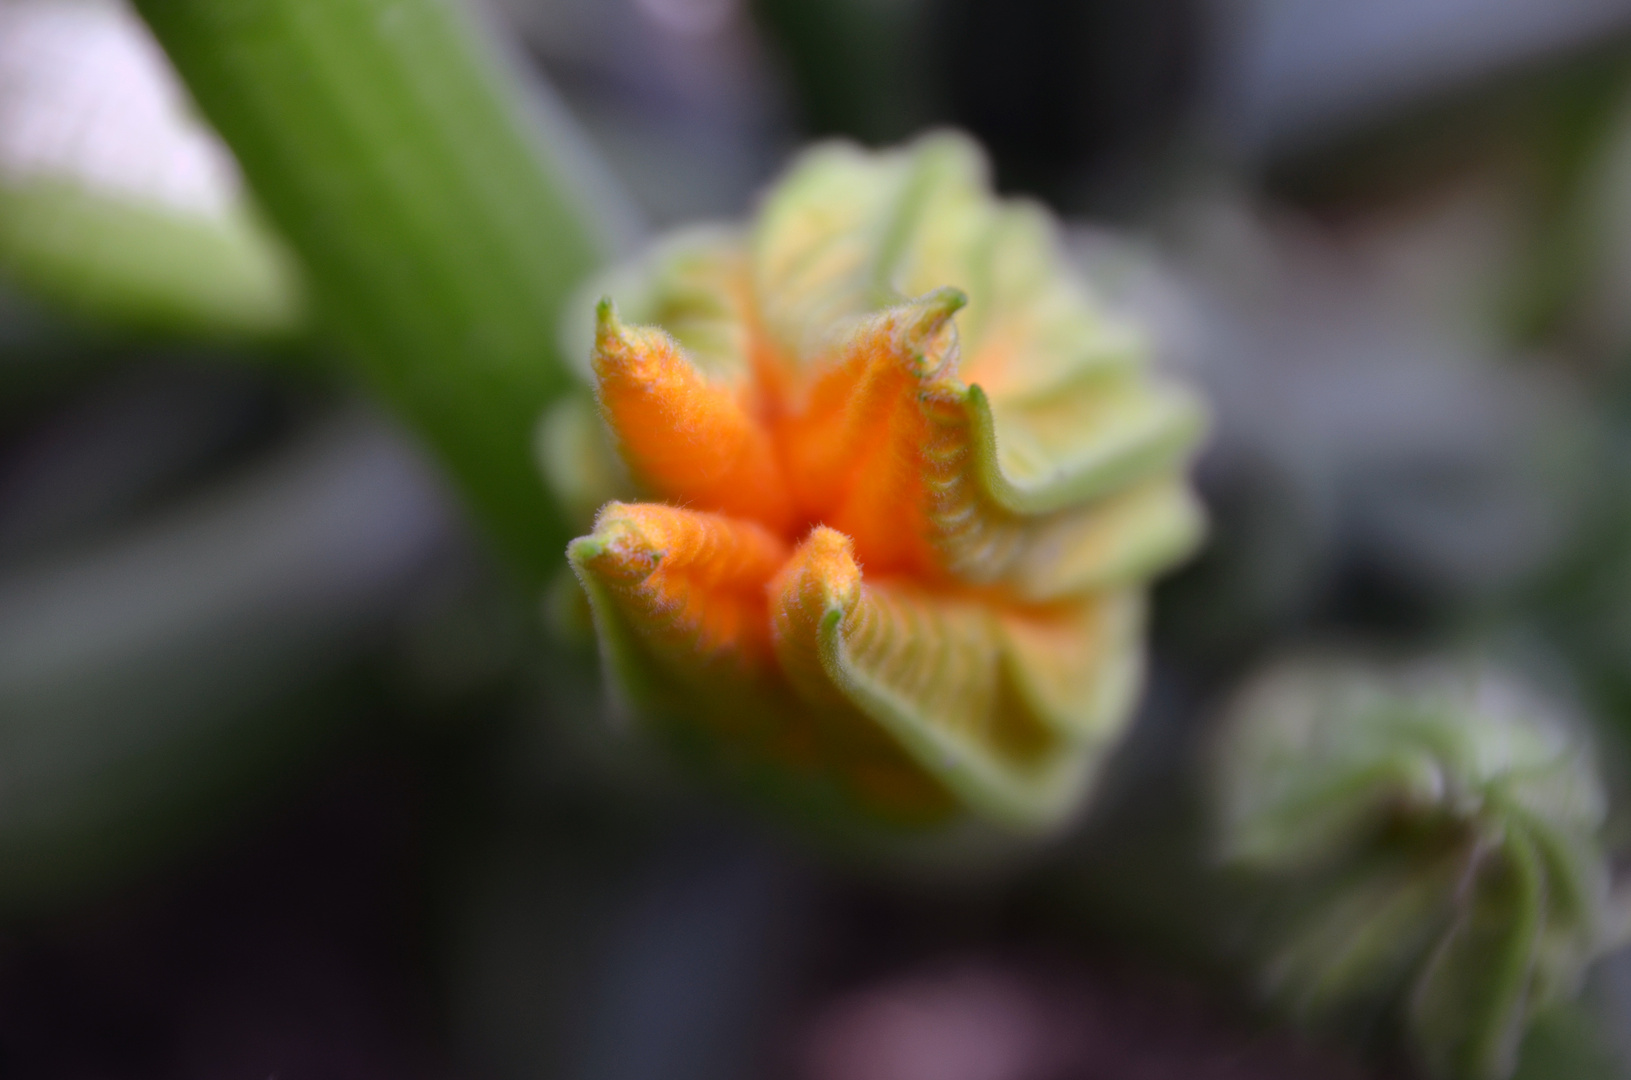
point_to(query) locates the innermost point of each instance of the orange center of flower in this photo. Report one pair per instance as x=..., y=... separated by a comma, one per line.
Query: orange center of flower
x=840, y=444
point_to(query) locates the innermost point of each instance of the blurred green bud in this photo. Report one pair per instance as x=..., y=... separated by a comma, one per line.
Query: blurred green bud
x=1429, y=838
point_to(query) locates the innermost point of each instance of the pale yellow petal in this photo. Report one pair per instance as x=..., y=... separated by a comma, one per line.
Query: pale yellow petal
x=1009, y=709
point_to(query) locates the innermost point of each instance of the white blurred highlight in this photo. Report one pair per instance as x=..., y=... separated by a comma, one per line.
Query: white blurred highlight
x=87, y=96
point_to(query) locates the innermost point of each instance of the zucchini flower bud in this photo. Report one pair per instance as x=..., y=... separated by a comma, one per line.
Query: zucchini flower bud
x=903, y=483
x=1431, y=835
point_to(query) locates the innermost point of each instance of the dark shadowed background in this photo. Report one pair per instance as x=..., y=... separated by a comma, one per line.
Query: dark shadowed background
x=294, y=783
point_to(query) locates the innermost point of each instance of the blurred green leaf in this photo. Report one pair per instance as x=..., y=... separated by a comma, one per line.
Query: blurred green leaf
x=147, y=266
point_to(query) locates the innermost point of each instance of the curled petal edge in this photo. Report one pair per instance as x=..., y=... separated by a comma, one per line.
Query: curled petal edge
x=819, y=603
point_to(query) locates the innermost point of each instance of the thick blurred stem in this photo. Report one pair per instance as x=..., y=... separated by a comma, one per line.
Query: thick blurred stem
x=442, y=216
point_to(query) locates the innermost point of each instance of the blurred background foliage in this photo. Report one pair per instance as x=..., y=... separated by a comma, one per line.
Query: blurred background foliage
x=292, y=779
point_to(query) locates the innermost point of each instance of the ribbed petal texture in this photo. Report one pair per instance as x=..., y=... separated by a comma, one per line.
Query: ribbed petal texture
x=940, y=475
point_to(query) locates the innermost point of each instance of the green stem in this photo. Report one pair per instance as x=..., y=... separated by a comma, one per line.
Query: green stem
x=442, y=218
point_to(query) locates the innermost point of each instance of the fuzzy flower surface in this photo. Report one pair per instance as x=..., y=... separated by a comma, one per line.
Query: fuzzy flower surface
x=903, y=485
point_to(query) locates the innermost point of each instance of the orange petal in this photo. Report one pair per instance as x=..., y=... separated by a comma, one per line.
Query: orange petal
x=690, y=586
x=820, y=581
x=894, y=450
x=856, y=450
x=691, y=440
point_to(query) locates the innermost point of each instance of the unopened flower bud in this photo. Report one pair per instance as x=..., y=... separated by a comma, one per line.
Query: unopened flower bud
x=904, y=484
